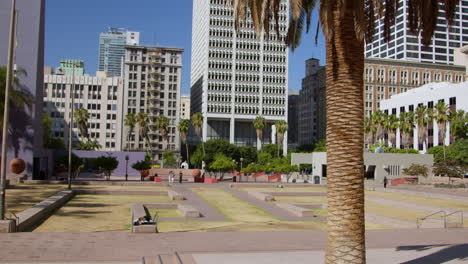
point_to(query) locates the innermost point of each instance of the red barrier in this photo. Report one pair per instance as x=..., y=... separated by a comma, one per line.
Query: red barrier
x=258, y=174
x=157, y=179
x=398, y=181
x=210, y=180
x=276, y=177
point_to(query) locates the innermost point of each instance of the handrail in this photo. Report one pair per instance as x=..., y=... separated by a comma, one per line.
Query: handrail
x=452, y=213
x=427, y=216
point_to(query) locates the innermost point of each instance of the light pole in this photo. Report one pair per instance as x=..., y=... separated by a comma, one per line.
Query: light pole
x=70, y=131
x=240, y=175
x=6, y=110
x=126, y=167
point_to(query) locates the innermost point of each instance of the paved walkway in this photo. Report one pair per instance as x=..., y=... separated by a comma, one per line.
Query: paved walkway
x=269, y=207
x=208, y=213
x=414, y=255
x=125, y=246
x=429, y=192
x=389, y=221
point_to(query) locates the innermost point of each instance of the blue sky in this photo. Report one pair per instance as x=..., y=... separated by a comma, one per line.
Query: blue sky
x=73, y=27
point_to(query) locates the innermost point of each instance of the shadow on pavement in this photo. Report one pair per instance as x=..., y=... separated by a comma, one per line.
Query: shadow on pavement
x=456, y=252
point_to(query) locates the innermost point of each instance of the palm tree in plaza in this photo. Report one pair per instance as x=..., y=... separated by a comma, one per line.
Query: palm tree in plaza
x=142, y=120
x=368, y=131
x=184, y=126
x=81, y=119
x=378, y=119
x=259, y=124
x=422, y=123
x=162, y=123
x=406, y=128
x=197, y=122
x=441, y=118
x=18, y=98
x=281, y=128
x=345, y=24
x=130, y=121
x=391, y=126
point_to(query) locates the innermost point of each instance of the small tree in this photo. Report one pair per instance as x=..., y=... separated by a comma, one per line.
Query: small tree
x=221, y=165
x=142, y=166
x=169, y=159
x=107, y=164
x=76, y=164
x=450, y=169
x=417, y=170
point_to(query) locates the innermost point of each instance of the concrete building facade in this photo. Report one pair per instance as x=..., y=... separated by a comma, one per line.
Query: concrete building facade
x=185, y=107
x=293, y=116
x=384, y=78
x=25, y=139
x=378, y=165
x=407, y=46
x=152, y=85
x=461, y=57
x=112, y=49
x=454, y=95
x=100, y=95
x=311, y=104
x=236, y=77
x=70, y=68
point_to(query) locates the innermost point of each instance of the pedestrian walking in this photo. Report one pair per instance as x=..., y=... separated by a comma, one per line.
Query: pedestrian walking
x=171, y=176
x=385, y=181
x=180, y=177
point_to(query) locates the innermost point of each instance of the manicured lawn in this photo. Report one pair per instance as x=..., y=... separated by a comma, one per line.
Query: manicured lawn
x=23, y=196
x=166, y=213
x=290, y=189
x=232, y=207
x=97, y=213
x=420, y=200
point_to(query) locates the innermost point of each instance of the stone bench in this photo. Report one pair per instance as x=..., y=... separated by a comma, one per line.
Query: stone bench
x=311, y=205
x=262, y=196
x=296, y=210
x=121, y=192
x=173, y=195
x=139, y=210
x=31, y=217
x=188, y=211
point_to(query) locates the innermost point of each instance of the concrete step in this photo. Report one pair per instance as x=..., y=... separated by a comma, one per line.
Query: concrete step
x=454, y=225
x=165, y=259
x=432, y=223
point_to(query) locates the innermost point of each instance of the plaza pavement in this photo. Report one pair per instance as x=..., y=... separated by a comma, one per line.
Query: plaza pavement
x=125, y=246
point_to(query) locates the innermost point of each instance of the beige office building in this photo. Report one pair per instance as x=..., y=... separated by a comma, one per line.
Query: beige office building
x=185, y=107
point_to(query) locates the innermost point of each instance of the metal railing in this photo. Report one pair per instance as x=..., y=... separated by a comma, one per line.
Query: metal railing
x=444, y=216
x=421, y=219
x=452, y=213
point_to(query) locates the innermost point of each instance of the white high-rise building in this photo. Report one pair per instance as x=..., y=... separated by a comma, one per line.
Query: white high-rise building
x=100, y=95
x=407, y=46
x=236, y=77
x=152, y=85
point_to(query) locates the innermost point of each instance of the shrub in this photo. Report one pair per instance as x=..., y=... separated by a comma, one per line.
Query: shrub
x=141, y=165
x=107, y=164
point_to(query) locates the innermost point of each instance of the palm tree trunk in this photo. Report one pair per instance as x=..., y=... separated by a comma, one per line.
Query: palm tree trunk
x=345, y=119
x=186, y=149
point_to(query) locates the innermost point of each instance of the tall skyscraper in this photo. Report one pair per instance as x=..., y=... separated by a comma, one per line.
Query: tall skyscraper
x=311, y=104
x=236, y=77
x=112, y=49
x=407, y=46
x=152, y=85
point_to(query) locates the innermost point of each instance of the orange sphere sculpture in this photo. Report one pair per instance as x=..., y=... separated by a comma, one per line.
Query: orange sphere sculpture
x=196, y=173
x=17, y=166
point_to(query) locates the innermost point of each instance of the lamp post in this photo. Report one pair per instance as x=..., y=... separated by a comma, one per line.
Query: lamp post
x=126, y=167
x=6, y=110
x=70, y=131
x=240, y=175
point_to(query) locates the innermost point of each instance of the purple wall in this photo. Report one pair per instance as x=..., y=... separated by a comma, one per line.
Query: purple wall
x=120, y=171
x=25, y=140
